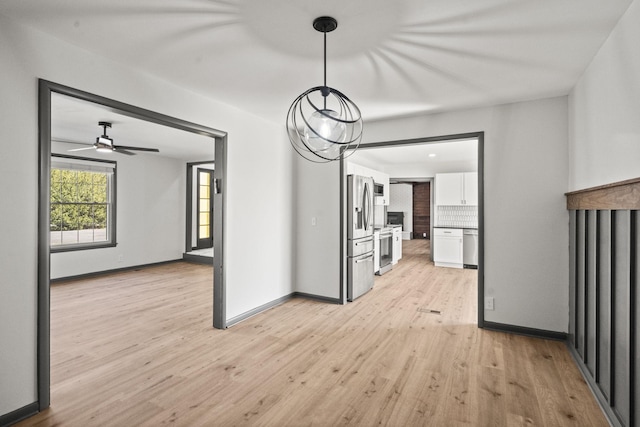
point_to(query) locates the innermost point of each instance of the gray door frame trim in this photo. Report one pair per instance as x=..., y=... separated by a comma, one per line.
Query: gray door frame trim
x=45, y=89
x=419, y=141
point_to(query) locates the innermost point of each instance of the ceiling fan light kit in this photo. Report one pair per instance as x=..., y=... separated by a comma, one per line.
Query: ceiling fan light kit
x=323, y=124
x=104, y=144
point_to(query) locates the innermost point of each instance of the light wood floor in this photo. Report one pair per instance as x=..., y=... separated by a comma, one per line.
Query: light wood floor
x=137, y=348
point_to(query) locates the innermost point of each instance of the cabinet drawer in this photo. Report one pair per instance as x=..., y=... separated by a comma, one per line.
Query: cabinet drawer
x=447, y=232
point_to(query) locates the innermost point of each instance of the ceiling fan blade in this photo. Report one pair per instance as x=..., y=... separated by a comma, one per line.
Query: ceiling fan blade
x=121, y=151
x=68, y=141
x=82, y=149
x=126, y=147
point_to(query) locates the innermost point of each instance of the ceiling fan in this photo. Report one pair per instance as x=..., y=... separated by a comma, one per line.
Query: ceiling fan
x=104, y=144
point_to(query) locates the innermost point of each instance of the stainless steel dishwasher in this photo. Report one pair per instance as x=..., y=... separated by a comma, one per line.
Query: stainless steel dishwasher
x=470, y=248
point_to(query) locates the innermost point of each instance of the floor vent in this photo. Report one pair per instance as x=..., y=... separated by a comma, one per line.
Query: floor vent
x=428, y=310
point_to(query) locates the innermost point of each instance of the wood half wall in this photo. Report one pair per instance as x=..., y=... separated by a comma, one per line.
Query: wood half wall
x=604, y=323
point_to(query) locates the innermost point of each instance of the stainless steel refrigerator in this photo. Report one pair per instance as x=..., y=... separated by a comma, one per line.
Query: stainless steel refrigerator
x=359, y=235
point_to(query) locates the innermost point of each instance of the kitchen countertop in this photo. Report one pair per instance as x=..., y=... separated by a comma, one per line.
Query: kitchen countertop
x=386, y=227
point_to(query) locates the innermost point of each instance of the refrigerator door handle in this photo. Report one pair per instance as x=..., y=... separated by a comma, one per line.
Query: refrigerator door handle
x=366, y=206
x=358, y=261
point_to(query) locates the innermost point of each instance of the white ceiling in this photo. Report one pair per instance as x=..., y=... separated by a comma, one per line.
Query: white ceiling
x=76, y=121
x=393, y=58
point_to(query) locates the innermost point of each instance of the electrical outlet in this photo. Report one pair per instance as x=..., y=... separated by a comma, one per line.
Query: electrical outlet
x=120, y=258
x=314, y=221
x=488, y=303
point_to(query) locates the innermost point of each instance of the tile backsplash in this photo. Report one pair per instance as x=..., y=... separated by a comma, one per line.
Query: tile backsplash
x=457, y=216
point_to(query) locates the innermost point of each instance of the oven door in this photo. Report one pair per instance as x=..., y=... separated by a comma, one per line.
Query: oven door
x=385, y=254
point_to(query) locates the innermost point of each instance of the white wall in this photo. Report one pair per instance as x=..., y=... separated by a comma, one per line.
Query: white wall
x=317, y=195
x=261, y=218
x=151, y=204
x=604, y=110
x=526, y=222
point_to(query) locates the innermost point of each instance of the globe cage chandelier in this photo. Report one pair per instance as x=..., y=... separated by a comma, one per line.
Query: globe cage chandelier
x=323, y=124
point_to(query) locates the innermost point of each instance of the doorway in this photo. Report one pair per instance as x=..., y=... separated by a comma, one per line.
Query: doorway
x=46, y=90
x=422, y=210
x=478, y=138
x=200, y=212
x=204, y=209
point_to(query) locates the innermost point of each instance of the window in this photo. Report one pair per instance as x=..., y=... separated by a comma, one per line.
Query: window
x=82, y=203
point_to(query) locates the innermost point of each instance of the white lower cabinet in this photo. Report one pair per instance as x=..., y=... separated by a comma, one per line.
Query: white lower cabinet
x=447, y=247
x=397, y=245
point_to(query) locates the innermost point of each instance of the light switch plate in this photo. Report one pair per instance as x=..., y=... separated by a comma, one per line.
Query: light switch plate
x=488, y=303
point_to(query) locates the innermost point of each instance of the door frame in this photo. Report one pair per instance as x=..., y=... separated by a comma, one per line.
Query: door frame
x=45, y=90
x=420, y=141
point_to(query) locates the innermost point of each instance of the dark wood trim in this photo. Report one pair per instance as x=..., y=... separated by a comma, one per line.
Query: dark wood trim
x=197, y=259
x=43, y=351
x=633, y=282
x=522, y=330
x=617, y=195
x=264, y=307
x=133, y=111
x=111, y=271
x=481, y=257
x=585, y=306
x=317, y=298
x=188, y=245
x=277, y=302
x=220, y=234
x=342, y=283
x=612, y=314
x=576, y=316
x=425, y=140
x=19, y=414
x=596, y=272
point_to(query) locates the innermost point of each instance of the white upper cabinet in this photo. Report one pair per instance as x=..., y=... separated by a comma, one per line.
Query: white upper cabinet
x=449, y=189
x=470, y=188
x=457, y=189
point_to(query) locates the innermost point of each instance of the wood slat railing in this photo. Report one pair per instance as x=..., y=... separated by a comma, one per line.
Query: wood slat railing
x=604, y=329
